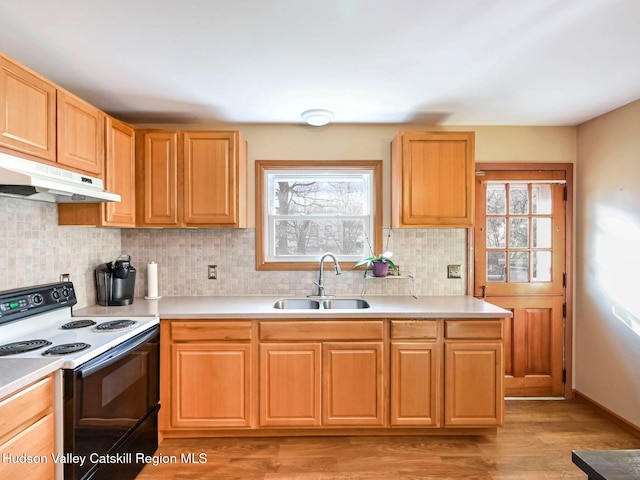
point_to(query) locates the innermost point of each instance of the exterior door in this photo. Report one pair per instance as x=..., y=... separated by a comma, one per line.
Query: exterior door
x=519, y=264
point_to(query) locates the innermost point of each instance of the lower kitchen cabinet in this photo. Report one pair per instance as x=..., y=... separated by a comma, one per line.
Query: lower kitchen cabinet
x=210, y=379
x=290, y=384
x=416, y=373
x=327, y=373
x=474, y=373
x=352, y=384
x=334, y=376
x=415, y=384
x=27, y=428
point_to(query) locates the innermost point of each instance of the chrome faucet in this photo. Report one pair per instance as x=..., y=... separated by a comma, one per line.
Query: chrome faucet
x=320, y=282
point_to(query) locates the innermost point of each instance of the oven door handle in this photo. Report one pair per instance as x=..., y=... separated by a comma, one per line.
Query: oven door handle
x=117, y=353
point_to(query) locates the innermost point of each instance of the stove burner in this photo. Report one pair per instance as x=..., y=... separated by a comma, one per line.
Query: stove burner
x=22, y=347
x=78, y=324
x=66, y=348
x=115, y=325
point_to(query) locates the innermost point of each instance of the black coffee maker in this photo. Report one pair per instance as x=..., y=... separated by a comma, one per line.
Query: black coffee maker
x=115, y=282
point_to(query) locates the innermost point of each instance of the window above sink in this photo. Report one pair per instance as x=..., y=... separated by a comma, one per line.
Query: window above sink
x=306, y=208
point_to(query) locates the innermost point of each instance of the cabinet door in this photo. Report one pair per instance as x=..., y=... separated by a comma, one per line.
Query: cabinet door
x=290, y=384
x=433, y=179
x=211, y=385
x=211, y=178
x=120, y=173
x=160, y=173
x=474, y=385
x=352, y=382
x=80, y=135
x=27, y=111
x=415, y=383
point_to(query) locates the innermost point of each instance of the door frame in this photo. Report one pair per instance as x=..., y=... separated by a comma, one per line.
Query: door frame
x=567, y=168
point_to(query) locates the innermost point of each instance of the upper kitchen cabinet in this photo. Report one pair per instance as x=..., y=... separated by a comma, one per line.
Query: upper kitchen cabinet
x=119, y=178
x=193, y=179
x=432, y=177
x=80, y=134
x=27, y=111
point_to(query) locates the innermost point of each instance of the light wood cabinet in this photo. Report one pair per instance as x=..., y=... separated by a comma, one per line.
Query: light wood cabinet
x=290, y=384
x=340, y=373
x=209, y=382
x=416, y=377
x=27, y=428
x=193, y=179
x=432, y=179
x=352, y=384
x=27, y=111
x=331, y=376
x=474, y=373
x=80, y=129
x=119, y=178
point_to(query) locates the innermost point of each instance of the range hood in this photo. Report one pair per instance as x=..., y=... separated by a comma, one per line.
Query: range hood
x=38, y=181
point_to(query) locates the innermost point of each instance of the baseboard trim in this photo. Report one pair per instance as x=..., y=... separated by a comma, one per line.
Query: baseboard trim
x=608, y=414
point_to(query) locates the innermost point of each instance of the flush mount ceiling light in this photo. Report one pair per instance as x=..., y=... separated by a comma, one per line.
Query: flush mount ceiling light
x=317, y=117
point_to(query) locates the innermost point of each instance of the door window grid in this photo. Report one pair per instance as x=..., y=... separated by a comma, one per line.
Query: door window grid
x=519, y=246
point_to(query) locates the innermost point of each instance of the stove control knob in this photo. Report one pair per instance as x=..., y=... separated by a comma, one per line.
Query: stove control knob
x=37, y=299
x=65, y=292
x=56, y=295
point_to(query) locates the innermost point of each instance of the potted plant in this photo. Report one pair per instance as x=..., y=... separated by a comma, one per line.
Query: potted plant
x=379, y=264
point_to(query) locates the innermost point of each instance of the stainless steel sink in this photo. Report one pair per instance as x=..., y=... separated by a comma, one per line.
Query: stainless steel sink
x=329, y=304
x=297, y=303
x=345, y=303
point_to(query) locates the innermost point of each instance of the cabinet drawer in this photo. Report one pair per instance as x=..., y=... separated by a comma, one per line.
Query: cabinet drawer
x=329, y=330
x=421, y=329
x=473, y=329
x=205, y=331
x=26, y=406
x=37, y=440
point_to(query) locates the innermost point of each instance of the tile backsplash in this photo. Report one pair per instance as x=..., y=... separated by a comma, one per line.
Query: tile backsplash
x=35, y=250
x=183, y=255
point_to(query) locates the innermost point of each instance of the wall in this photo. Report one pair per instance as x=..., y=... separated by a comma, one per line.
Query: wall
x=35, y=250
x=183, y=255
x=607, y=319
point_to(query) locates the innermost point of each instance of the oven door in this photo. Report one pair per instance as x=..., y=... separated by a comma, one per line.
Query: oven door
x=108, y=402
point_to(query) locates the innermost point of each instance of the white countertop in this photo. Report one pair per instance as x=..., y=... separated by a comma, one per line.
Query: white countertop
x=16, y=373
x=256, y=307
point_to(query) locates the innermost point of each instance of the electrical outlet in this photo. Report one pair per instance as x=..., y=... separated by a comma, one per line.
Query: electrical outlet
x=454, y=271
x=65, y=277
x=213, y=272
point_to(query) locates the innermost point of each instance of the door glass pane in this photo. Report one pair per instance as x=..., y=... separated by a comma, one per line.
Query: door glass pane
x=541, y=198
x=496, y=232
x=518, y=232
x=496, y=199
x=541, y=234
x=496, y=266
x=518, y=198
x=541, y=266
x=519, y=267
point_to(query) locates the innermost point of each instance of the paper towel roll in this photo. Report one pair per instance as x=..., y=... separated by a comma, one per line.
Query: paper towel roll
x=152, y=281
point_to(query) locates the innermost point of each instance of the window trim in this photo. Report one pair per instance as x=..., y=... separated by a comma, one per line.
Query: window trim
x=312, y=165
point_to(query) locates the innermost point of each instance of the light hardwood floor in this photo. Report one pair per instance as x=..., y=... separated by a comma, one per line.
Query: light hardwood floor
x=535, y=443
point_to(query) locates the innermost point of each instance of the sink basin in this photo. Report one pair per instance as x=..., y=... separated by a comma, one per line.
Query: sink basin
x=329, y=304
x=345, y=303
x=297, y=303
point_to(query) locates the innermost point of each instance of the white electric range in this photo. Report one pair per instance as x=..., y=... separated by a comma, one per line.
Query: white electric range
x=108, y=389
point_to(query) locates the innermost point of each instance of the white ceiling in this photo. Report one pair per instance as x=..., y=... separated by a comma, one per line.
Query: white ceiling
x=457, y=62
